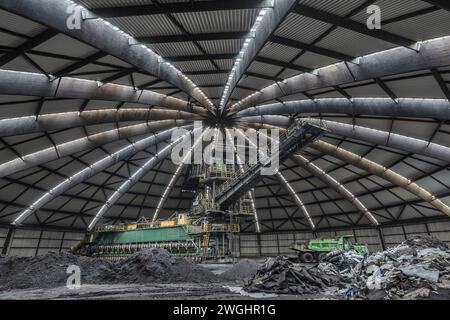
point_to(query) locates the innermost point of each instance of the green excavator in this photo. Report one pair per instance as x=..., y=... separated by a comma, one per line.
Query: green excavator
x=315, y=249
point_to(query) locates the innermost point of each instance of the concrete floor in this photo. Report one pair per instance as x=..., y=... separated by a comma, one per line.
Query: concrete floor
x=183, y=291
x=188, y=291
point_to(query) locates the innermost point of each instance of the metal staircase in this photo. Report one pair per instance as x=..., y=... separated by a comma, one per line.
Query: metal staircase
x=299, y=136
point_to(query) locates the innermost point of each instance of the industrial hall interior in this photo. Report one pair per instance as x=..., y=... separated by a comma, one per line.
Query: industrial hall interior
x=229, y=150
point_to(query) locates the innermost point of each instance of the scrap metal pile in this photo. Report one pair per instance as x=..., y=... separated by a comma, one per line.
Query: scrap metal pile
x=280, y=275
x=414, y=269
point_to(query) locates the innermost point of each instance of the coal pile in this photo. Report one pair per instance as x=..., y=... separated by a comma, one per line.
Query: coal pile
x=241, y=271
x=158, y=265
x=414, y=269
x=49, y=270
x=146, y=266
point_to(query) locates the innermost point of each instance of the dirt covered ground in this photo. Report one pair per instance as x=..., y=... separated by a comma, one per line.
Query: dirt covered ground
x=228, y=287
x=418, y=268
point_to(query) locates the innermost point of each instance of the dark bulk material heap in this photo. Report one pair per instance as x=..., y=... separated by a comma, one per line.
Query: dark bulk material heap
x=147, y=266
x=414, y=269
x=241, y=271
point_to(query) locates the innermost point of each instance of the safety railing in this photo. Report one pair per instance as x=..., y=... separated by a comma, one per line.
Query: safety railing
x=211, y=227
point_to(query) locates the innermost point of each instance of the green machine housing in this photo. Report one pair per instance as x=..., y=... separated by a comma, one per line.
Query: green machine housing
x=117, y=242
x=223, y=199
x=315, y=249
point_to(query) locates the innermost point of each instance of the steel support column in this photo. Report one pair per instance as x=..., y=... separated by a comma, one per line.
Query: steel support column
x=8, y=240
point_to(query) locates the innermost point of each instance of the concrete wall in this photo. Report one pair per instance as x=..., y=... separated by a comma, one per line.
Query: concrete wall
x=3, y=233
x=271, y=244
x=35, y=242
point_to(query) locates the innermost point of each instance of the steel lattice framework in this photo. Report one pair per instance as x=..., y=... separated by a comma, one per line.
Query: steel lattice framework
x=87, y=114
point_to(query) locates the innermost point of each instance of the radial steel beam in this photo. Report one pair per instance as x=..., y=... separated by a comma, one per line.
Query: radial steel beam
x=65, y=120
x=273, y=18
x=392, y=140
x=79, y=64
x=331, y=182
x=175, y=177
x=334, y=184
x=28, y=45
x=381, y=171
x=298, y=138
x=311, y=48
x=336, y=20
x=409, y=107
x=34, y=84
x=180, y=7
x=443, y=4
x=104, y=36
x=279, y=121
x=296, y=198
x=283, y=64
x=202, y=57
x=87, y=142
x=389, y=139
x=94, y=169
x=433, y=54
x=213, y=36
x=133, y=179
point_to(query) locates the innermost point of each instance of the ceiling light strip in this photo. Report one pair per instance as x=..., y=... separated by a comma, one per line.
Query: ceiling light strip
x=89, y=171
x=177, y=173
x=234, y=74
x=125, y=186
x=343, y=190
x=100, y=33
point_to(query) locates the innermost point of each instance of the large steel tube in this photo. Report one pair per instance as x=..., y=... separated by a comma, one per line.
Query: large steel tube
x=432, y=54
x=84, y=143
x=334, y=184
x=65, y=120
x=104, y=36
x=381, y=171
x=412, y=108
x=133, y=179
x=392, y=140
x=96, y=167
x=35, y=84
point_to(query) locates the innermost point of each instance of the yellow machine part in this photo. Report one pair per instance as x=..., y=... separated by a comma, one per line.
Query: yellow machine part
x=168, y=223
x=183, y=219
